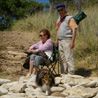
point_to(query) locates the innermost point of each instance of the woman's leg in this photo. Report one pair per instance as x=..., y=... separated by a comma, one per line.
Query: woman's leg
x=32, y=57
x=38, y=60
x=34, y=70
x=31, y=66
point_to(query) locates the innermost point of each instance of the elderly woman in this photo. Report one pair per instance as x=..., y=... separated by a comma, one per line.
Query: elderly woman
x=45, y=45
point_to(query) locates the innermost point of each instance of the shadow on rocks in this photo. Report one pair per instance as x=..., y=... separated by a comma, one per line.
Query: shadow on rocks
x=83, y=72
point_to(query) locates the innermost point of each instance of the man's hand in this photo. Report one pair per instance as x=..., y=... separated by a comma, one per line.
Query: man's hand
x=71, y=45
x=56, y=43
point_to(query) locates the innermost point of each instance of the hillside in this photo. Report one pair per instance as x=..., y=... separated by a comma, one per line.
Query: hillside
x=25, y=32
x=13, y=44
x=12, y=56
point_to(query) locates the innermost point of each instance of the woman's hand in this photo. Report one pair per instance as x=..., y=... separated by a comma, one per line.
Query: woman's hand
x=31, y=51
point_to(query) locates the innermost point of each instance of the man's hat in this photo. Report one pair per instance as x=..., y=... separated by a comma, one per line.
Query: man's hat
x=60, y=6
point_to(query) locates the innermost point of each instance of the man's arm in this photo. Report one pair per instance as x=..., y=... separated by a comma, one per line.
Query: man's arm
x=57, y=27
x=73, y=27
x=73, y=38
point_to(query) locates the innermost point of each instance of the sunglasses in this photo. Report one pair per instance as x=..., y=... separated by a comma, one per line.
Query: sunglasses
x=60, y=10
x=41, y=35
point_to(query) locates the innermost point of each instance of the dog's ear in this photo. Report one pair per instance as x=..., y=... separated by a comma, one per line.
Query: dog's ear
x=51, y=75
x=39, y=78
x=52, y=79
x=39, y=81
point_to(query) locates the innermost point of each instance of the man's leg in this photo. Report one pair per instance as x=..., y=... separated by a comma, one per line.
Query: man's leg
x=62, y=58
x=61, y=64
x=69, y=56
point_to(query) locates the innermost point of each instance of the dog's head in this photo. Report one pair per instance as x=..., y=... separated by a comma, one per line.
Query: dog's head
x=45, y=77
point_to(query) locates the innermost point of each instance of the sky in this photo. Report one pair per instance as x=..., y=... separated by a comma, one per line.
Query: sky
x=42, y=1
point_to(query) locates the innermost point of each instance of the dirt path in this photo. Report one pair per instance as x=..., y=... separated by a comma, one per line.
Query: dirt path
x=13, y=46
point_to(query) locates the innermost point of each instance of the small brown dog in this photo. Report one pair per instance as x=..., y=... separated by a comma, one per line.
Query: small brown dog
x=45, y=79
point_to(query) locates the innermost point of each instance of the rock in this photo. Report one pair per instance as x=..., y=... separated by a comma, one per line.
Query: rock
x=96, y=96
x=81, y=91
x=58, y=80
x=2, y=81
x=57, y=94
x=3, y=91
x=38, y=89
x=66, y=86
x=57, y=89
x=72, y=76
x=14, y=95
x=33, y=78
x=31, y=81
x=75, y=76
x=81, y=84
x=30, y=92
x=18, y=88
x=48, y=97
x=45, y=97
x=74, y=96
x=32, y=84
x=23, y=80
x=17, y=55
x=86, y=84
x=8, y=85
x=91, y=84
x=69, y=81
x=10, y=48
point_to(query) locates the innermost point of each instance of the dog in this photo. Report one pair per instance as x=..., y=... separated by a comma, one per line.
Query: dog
x=45, y=79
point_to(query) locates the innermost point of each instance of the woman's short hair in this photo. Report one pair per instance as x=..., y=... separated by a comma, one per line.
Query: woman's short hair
x=45, y=32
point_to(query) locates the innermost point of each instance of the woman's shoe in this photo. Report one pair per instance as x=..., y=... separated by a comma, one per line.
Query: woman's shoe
x=28, y=75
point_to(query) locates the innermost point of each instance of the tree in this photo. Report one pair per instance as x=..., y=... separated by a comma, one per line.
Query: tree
x=79, y=5
x=59, y=1
x=55, y=2
x=47, y=5
x=16, y=9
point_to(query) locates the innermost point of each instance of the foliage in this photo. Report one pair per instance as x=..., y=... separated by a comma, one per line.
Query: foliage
x=47, y=5
x=16, y=9
x=58, y=1
x=93, y=2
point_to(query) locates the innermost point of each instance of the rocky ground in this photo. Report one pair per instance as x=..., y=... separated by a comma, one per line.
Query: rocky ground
x=13, y=82
x=66, y=86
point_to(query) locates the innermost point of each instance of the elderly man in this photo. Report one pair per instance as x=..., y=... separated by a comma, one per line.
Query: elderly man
x=66, y=33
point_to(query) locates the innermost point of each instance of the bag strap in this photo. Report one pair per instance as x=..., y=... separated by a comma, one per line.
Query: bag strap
x=62, y=19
